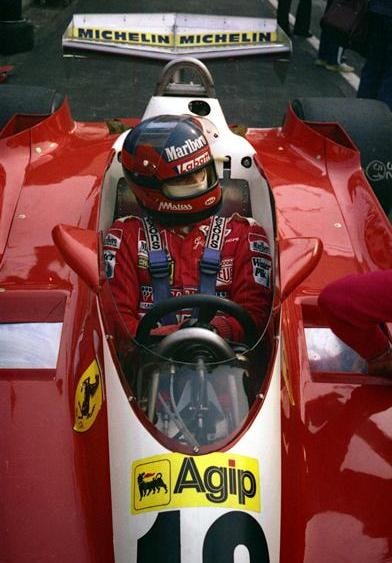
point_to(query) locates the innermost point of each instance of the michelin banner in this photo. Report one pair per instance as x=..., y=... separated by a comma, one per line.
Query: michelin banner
x=169, y=35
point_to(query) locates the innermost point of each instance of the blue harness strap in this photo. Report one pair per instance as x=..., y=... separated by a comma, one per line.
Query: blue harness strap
x=211, y=259
x=159, y=267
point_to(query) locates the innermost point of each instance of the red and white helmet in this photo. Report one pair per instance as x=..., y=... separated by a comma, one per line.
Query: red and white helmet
x=168, y=164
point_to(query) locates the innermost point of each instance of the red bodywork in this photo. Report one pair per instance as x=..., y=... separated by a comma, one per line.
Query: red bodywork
x=336, y=447
x=337, y=454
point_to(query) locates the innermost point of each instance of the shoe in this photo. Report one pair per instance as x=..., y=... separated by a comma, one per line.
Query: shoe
x=382, y=365
x=342, y=67
x=306, y=34
x=320, y=62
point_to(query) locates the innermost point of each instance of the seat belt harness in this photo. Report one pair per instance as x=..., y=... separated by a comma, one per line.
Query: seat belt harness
x=159, y=267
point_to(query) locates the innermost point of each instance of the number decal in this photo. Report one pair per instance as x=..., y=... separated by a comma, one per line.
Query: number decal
x=162, y=542
x=232, y=529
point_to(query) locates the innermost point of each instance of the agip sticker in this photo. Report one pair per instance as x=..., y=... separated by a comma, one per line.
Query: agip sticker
x=88, y=398
x=178, y=481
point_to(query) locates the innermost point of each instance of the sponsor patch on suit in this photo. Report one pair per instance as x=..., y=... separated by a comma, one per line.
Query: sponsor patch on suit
x=110, y=263
x=225, y=274
x=113, y=239
x=261, y=271
x=259, y=244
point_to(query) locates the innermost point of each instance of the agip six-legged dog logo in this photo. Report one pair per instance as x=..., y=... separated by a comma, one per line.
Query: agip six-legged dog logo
x=150, y=483
x=151, y=486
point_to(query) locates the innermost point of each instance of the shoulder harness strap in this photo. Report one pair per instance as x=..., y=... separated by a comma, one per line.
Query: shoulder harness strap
x=159, y=267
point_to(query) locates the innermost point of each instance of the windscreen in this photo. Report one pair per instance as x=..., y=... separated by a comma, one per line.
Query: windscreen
x=197, y=405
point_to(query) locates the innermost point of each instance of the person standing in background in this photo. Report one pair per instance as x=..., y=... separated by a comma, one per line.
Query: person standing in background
x=376, y=75
x=302, y=17
x=330, y=51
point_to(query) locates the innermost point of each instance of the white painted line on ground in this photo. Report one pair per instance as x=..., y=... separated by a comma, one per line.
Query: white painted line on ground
x=350, y=77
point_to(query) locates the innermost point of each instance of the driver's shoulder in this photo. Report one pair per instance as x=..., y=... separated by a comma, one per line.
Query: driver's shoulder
x=126, y=223
x=242, y=222
x=124, y=227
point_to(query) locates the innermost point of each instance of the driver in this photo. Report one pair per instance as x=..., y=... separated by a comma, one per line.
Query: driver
x=181, y=245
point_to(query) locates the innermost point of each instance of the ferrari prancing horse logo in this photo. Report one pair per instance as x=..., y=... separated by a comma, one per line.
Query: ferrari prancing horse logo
x=88, y=398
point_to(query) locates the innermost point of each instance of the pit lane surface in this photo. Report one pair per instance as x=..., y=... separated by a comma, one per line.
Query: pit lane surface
x=252, y=91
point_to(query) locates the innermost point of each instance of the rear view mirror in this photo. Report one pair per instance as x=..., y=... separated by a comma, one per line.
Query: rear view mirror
x=80, y=249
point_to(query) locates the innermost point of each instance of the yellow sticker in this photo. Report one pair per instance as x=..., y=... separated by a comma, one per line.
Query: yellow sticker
x=168, y=40
x=123, y=36
x=177, y=481
x=227, y=38
x=88, y=398
x=142, y=262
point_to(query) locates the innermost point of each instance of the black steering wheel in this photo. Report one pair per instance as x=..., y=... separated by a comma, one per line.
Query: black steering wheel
x=207, y=306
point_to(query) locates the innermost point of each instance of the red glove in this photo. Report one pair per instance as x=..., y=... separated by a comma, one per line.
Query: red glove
x=165, y=330
x=222, y=326
x=227, y=328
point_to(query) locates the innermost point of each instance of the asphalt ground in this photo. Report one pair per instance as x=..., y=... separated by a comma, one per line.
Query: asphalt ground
x=252, y=91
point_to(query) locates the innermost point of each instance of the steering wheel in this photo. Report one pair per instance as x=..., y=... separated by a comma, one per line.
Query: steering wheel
x=207, y=306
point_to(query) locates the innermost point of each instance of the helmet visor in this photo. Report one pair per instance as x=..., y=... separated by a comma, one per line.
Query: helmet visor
x=190, y=185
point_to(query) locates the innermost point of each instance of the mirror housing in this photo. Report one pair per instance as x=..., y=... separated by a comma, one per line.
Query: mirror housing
x=298, y=258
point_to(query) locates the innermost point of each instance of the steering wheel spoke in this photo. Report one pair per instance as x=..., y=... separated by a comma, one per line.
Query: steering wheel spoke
x=205, y=314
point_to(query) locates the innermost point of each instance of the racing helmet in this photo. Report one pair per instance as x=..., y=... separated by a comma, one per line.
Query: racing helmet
x=168, y=164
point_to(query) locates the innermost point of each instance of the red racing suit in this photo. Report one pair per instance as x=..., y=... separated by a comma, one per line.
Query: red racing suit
x=245, y=274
